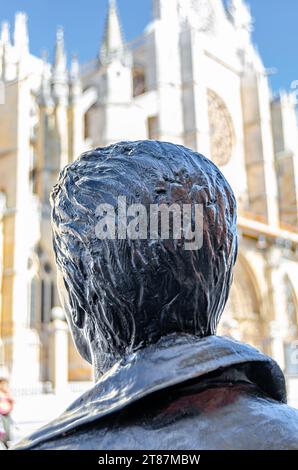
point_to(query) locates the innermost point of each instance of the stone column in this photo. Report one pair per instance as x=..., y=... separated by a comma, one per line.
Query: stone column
x=200, y=94
x=286, y=149
x=22, y=344
x=277, y=343
x=278, y=324
x=58, y=353
x=2, y=211
x=261, y=173
x=168, y=68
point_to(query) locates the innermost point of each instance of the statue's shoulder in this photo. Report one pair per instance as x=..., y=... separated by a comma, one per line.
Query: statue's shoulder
x=167, y=364
x=264, y=423
x=246, y=420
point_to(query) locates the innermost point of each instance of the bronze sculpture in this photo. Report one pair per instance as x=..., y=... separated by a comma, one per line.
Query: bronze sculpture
x=144, y=312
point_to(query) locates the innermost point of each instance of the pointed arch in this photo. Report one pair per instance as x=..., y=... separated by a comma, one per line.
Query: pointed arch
x=292, y=308
x=242, y=317
x=291, y=336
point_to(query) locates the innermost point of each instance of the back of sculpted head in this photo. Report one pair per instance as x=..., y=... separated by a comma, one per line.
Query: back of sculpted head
x=123, y=293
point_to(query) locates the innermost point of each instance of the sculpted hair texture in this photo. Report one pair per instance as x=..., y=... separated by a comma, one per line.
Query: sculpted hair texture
x=132, y=292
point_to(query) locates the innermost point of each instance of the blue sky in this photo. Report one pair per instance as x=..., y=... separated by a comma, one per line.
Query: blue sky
x=276, y=32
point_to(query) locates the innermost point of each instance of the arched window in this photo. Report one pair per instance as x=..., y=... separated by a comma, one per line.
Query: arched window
x=291, y=341
x=2, y=92
x=153, y=127
x=48, y=297
x=241, y=318
x=139, y=81
x=87, y=130
x=33, y=299
x=43, y=302
x=292, y=316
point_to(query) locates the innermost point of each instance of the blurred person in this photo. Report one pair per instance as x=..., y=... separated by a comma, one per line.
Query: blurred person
x=6, y=407
x=144, y=312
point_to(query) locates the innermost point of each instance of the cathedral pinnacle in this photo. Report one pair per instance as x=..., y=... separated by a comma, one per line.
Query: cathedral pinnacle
x=113, y=43
x=5, y=33
x=60, y=73
x=60, y=61
x=74, y=68
x=45, y=97
x=21, y=37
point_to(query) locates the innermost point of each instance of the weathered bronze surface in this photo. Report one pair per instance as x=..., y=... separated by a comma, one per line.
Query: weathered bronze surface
x=145, y=313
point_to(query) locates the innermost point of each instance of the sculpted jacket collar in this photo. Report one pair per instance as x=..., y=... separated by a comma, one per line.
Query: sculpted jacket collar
x=173, y=360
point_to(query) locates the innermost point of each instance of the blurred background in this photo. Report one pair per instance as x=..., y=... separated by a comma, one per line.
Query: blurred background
x=185, y=71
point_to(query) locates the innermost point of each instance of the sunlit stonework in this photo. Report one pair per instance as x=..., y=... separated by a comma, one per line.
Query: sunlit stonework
x=199, y=13
x=221, y=130
x=156, y=87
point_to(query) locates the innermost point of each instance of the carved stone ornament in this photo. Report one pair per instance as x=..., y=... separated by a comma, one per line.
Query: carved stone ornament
x=222, y=135
x=199, y=13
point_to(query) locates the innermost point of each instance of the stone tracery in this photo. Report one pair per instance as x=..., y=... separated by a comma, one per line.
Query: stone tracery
x=222, y=133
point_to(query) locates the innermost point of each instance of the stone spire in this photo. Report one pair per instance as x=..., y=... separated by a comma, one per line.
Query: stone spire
x=5, y=44
x=60, y=74
x=5, y=33
x=21, y=36
x=74, y=79
x=74, y=68
x=45, y=94
x=113, y=43
x=60, y=60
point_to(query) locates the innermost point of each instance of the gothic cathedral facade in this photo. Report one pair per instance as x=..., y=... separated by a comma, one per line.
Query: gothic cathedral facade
x=195, y=78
